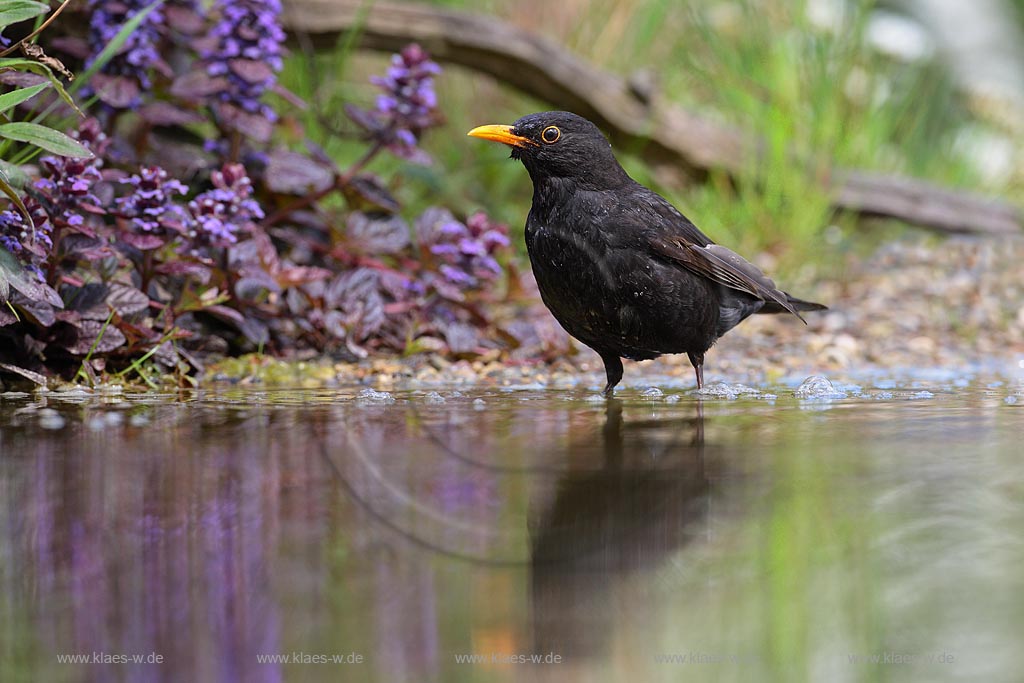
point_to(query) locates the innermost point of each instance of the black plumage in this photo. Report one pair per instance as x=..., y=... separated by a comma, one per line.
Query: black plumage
x=619, y=267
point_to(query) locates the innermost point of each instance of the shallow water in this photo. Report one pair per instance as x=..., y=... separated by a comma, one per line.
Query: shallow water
x=747, y=536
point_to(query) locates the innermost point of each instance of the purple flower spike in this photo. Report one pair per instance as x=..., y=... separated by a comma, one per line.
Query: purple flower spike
x=132, y=64
x=150, y=208
x=226, y=211
x=30, y=243
x=407, y=106
x=246, y=49
x=464, y=252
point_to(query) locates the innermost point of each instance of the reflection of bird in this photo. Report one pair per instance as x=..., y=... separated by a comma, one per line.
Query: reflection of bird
x=619, y=267
x=605, y=524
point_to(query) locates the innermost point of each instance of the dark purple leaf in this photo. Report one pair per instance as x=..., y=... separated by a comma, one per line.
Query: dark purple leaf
x=228, y=315
x=72, y=317
x=85, y=248
x=356, y=295
x=13, y=275
x=446, y=289
x=89, y=332
x=142, y=241
x=385, y=235
x=27, y=374
x=460, y=337
x=6, y=317
x=251, y=70
x=166, y=355
x=367, y=193
x=255, y=287
x=39, y=312
x=183, y=19
x=119, y=92
x=69, y=45
x=334, y=325
x=365, y=119
x=185, y=268
x=178, y=157
x=197, y=85
x=293, y=173
x=87, y=300
x=288, y=96
x=254, y=126
x=21, y=79
x=167, y=114
x=320, y=155
x=254, y=330
x=295, y=276
x=126, y=300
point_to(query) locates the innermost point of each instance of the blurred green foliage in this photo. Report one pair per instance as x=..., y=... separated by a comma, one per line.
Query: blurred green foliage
x=810, y=92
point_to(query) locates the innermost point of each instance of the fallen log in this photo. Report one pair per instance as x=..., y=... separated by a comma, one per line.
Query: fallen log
x=665, y=134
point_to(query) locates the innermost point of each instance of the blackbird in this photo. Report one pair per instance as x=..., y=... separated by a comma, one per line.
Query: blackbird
x=620, y=268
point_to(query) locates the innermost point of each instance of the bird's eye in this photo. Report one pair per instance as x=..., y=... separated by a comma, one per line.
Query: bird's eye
x=551, y=134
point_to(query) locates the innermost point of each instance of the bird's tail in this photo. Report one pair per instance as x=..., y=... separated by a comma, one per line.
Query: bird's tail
x=797, y=304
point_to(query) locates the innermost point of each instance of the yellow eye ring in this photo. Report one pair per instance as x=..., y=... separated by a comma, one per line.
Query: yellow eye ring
x=551, y=134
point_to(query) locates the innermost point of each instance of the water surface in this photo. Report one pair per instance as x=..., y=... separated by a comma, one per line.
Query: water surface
x=242, y=534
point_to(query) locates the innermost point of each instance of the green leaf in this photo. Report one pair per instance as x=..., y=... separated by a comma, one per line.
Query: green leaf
x=7, y=189
x=14, y=275
x=115, y=45
x=14, y=11
x=47, y=138
x=14, y=175
x=42, y=69
x=16, y=97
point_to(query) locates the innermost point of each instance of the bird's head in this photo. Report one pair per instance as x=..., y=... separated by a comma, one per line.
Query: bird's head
x=558, y=144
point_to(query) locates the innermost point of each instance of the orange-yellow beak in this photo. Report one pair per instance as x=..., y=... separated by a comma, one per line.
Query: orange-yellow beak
x=501, y=134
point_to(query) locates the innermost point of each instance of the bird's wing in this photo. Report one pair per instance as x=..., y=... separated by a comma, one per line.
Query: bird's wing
x=676, y=238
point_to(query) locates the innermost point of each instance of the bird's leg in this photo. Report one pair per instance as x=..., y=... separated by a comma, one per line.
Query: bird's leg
x=697, y=360
x=613, y=368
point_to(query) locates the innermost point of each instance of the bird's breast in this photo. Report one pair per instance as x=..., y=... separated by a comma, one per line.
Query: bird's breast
x=618, y=299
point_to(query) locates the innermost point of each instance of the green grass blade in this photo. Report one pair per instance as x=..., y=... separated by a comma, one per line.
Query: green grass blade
x=47, y=138
x=15, y=97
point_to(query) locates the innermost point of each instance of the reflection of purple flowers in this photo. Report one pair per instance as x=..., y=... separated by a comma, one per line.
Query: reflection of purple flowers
x=151, y=206
x=225, y=211
x=139, y=53
x=245, y=48
x=464, y=251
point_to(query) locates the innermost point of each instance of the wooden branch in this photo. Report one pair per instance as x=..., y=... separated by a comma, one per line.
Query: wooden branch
x=665, y=134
